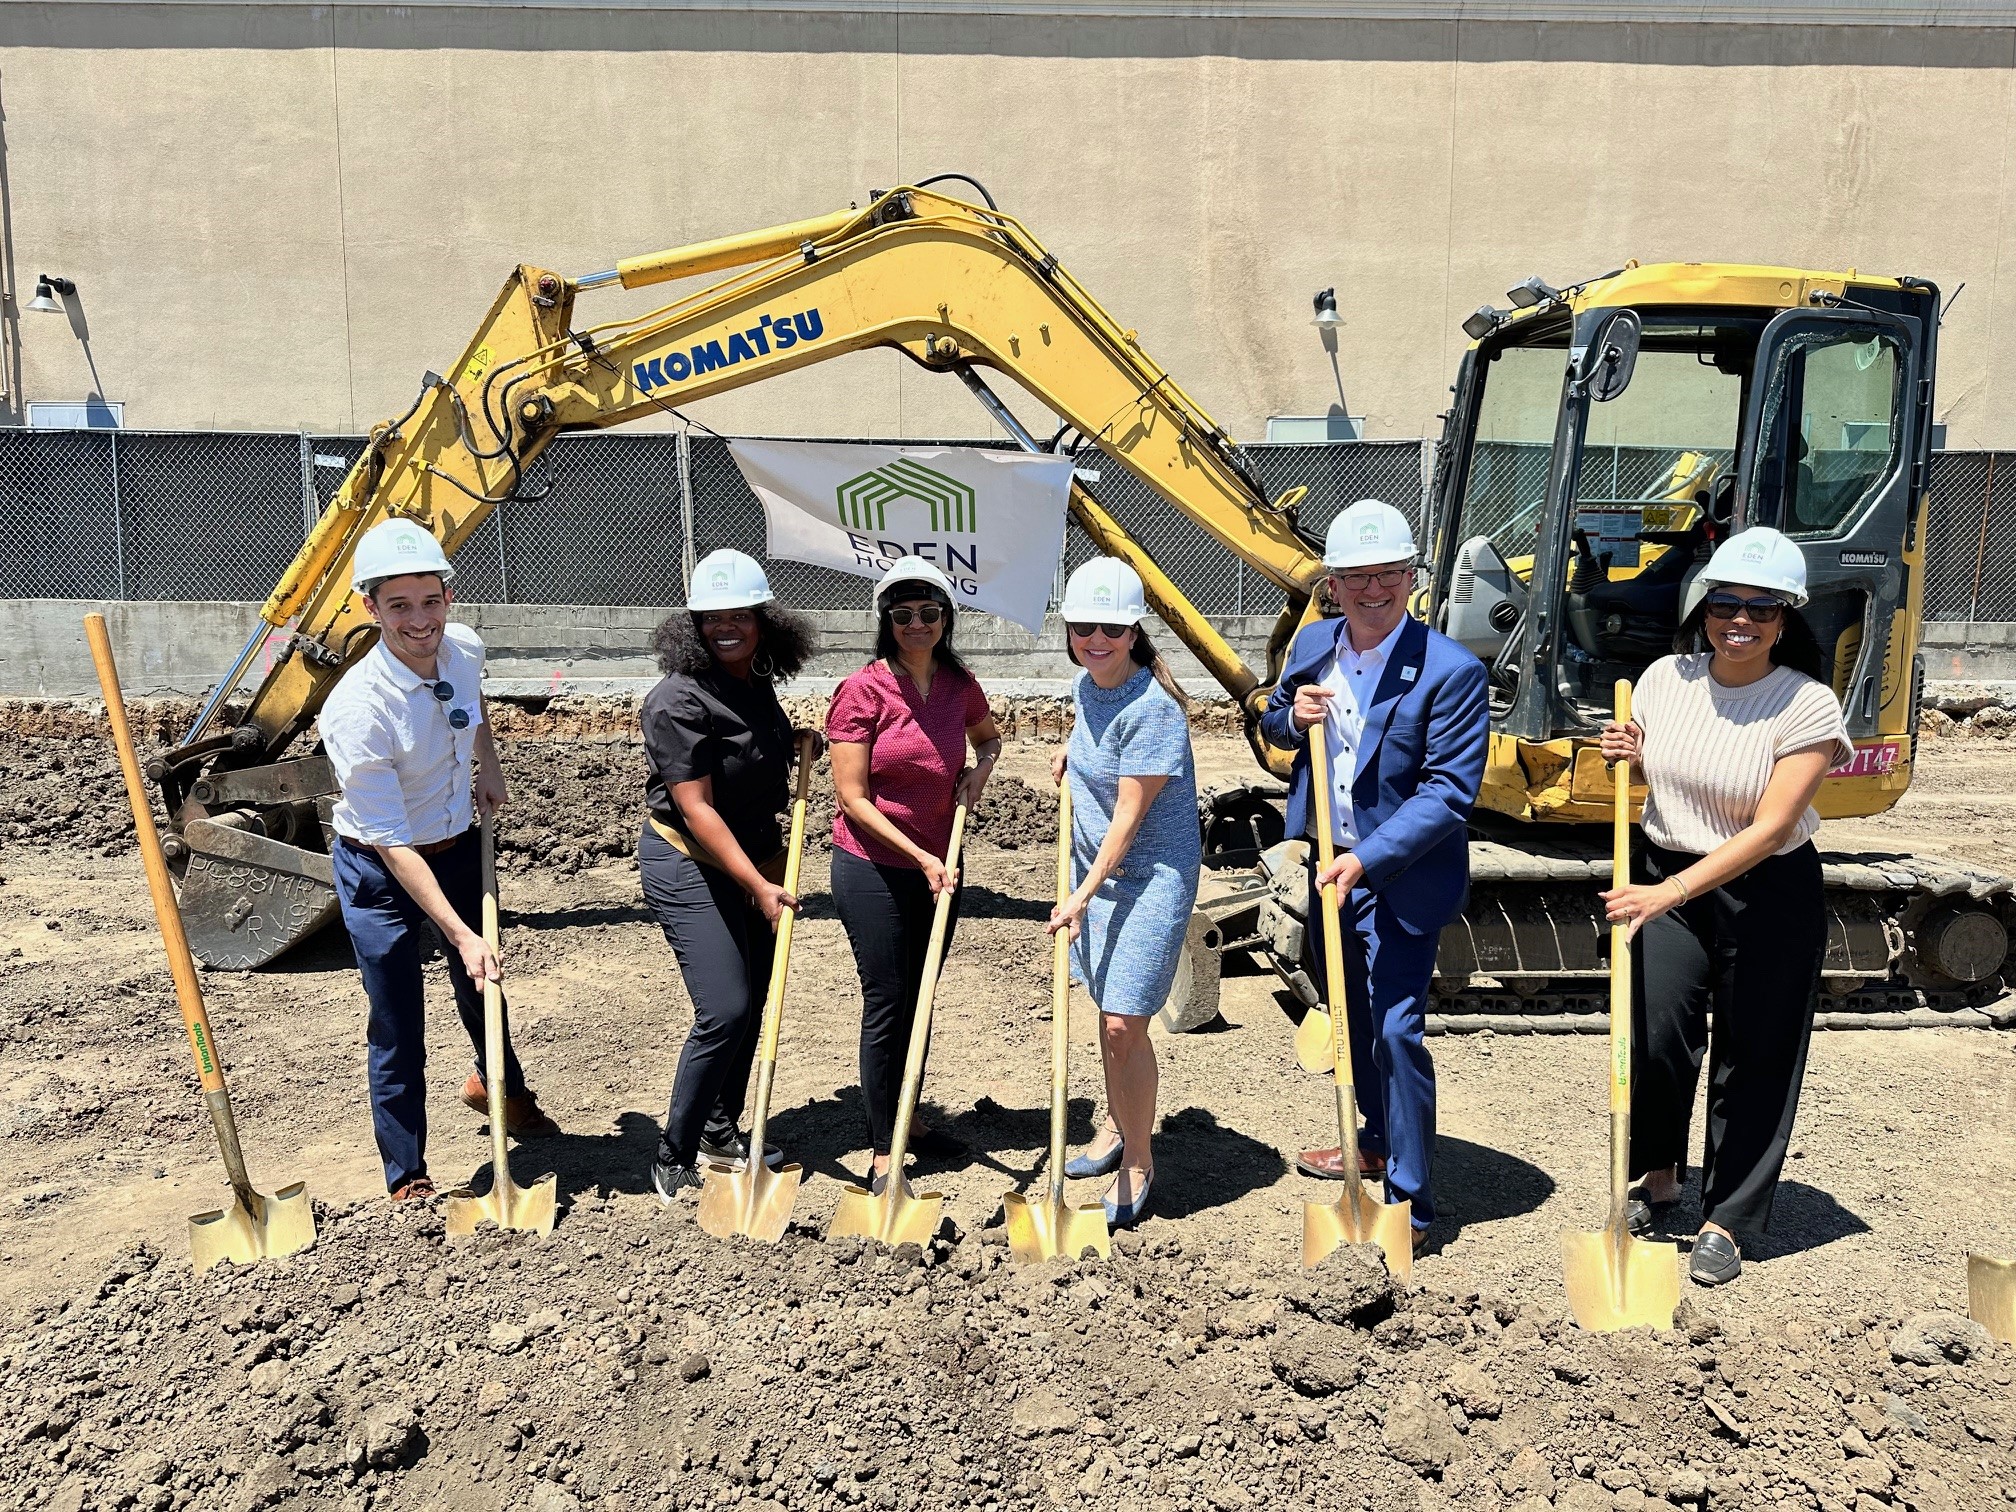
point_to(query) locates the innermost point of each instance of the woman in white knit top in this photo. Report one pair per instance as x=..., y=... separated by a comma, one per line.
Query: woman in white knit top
x=1733, y=735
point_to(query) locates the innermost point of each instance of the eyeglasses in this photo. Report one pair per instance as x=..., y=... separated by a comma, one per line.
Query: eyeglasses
x=1762, y=611
x=927, y=614
x=1087, y=631
x=1358, y=582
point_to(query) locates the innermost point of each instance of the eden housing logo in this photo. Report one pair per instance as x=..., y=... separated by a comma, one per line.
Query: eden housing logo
x=863, y=502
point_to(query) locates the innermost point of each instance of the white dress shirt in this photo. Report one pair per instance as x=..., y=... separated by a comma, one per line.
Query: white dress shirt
x=405, y=768
x=1352, y=677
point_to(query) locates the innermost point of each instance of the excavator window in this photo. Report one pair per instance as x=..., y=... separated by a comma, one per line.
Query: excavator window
x=1829, y=436
x=1652, y=491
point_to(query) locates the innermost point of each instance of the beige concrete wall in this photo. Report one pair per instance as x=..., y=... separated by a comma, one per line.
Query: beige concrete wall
x=281, y=216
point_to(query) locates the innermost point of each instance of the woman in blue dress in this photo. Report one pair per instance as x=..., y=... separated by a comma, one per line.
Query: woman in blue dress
x=1135, y=856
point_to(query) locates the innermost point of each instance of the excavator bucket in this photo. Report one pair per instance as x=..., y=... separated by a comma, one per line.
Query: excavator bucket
x=245, y=899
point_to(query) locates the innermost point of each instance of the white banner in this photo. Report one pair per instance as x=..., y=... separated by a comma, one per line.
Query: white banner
x=992, y=520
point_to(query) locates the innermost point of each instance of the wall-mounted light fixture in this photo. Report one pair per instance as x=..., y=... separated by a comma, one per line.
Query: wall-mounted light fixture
x=47, y=287
x=1327, y=318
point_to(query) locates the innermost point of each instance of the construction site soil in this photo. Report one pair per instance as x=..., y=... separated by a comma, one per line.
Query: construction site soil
x=630, y=1361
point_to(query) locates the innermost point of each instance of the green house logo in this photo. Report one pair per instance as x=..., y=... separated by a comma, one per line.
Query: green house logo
x=1102, y=597
x=1368, y=532
x=864, y=502
x=720, y=578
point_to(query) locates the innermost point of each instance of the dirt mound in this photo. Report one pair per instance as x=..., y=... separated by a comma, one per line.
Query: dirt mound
x=630, y=1362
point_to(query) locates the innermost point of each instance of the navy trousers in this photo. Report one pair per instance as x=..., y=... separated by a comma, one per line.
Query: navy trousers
x=385, y=925
x=1386, y=973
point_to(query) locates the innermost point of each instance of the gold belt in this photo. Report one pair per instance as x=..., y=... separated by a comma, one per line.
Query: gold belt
x=771, y=869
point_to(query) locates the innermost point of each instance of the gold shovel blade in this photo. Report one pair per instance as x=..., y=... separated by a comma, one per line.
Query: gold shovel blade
x=1991, y=1295
x=1042, y=1228
x=1390, y=1225
x=283, y=1224
x=1616, y=1281
x=1315, y=1052
x=529, y=1209
x=755, y=1200
x=906, y=1218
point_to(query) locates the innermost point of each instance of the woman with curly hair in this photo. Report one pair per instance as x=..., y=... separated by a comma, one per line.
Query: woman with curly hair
x=718, y=750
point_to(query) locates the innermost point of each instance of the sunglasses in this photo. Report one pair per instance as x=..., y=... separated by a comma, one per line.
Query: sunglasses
x=1358, y=582
x=1111, y=632
x=928, y=614
x=1762, y=611
x=444, y=692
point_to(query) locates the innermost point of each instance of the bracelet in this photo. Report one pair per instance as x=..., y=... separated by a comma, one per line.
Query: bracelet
x=1685, y=896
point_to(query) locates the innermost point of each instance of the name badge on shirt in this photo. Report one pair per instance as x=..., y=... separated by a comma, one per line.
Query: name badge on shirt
x=1407, y=673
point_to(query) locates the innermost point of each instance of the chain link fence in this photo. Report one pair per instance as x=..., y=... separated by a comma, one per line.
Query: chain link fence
x=618, y=519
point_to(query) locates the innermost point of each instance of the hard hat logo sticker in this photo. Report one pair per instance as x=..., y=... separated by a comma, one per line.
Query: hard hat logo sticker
x=1102, y=597
x=720, y=579
x=1368, y=532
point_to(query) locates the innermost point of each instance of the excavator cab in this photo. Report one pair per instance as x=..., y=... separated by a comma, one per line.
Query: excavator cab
x=1602, y=441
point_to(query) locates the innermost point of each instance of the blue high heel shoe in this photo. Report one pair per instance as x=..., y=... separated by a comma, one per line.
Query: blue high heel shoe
x=1078, y=1167
x=1119, y=1216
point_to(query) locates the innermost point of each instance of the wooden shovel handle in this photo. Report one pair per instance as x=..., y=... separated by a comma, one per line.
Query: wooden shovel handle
x=1332, y=906
x=1620, y=934
x=181, y=965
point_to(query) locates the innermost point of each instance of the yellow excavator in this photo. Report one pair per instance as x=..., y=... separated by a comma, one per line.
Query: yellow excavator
x=1602, y=436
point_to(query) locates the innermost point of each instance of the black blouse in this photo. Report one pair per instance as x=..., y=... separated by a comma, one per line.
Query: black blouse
x=732, y=730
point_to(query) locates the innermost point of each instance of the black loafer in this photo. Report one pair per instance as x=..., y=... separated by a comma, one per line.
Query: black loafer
x=1715, y=1261
x=1642, y=1214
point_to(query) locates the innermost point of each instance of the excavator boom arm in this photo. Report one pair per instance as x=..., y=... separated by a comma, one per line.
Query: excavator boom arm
x=953, y=286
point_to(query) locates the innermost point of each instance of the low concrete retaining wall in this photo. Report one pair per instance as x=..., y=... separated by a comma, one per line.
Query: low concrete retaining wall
x=174, y=649
x=167, y=650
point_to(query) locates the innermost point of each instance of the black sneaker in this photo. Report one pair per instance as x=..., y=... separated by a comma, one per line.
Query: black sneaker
x=670, y=1180
x=732, y=1151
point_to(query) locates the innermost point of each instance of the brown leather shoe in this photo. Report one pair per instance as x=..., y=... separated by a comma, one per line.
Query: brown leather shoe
x=1328, y=1165
x=419, y=1189
x=523, y=1117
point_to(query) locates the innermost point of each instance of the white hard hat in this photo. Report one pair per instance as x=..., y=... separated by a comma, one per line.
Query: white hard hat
x=1759, y=557
x=396, y=548
x=1105, y=591
x=727, y=580
x=1367, y=532
x=912, y=569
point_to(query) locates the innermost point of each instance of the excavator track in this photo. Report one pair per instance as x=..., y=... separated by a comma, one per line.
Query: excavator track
x=1913, y=941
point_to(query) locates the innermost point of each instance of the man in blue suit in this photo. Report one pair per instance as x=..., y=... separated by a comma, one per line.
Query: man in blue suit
x=1408, y=721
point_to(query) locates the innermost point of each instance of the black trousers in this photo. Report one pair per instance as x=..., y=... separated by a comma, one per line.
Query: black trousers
x=1746, y=959
x=887, y=913
x=724, y=946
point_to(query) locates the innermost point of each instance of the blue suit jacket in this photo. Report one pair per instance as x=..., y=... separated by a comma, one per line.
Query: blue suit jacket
x=1419, y=765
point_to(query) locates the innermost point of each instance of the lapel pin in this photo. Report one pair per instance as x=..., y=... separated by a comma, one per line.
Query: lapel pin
x=1407, y=673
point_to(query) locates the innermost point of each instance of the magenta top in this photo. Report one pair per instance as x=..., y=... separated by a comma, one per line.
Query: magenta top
x=916, y=751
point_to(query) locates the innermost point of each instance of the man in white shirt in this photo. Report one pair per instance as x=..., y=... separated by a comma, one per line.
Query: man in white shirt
x=406, y=732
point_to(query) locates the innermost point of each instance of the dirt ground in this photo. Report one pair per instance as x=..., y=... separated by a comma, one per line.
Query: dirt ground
x=631, y=1362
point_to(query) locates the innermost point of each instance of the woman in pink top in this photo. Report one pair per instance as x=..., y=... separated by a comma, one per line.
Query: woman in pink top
x=898, y=731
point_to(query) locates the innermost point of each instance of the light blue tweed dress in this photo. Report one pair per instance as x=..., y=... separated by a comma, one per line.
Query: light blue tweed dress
x=1132, y=938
